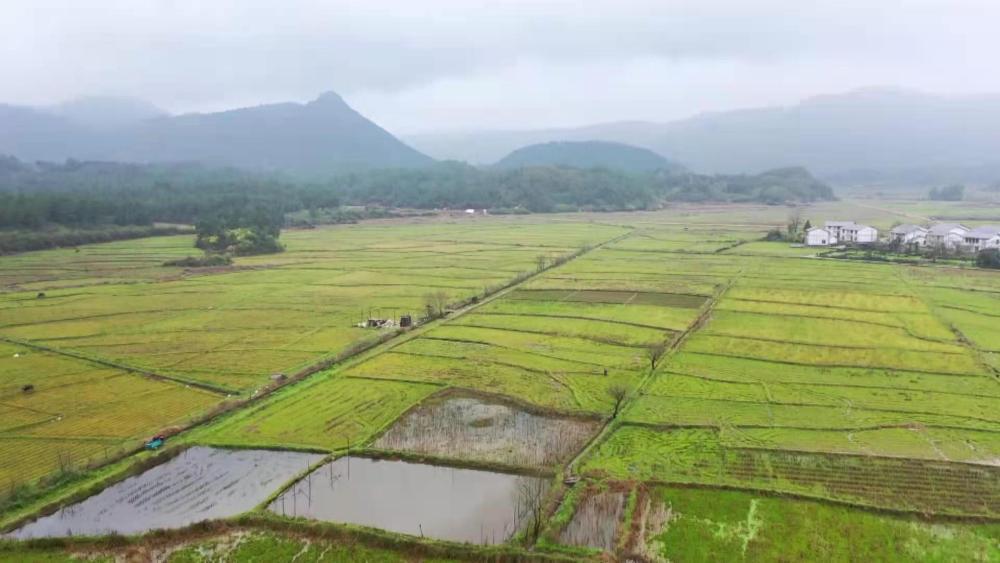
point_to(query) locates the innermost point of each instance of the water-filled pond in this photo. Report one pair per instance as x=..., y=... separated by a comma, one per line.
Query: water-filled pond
x=481, y=507
x=199, y=484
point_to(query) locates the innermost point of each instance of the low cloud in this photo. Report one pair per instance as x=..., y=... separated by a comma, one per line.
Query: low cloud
x=445, y=64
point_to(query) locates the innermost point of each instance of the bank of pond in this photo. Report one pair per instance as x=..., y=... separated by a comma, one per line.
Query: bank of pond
x=204, y=483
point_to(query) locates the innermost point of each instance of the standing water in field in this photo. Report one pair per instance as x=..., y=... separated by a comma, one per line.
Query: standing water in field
x=199, y=484
x=466, y=505
x=596, y=520
x=484, y=430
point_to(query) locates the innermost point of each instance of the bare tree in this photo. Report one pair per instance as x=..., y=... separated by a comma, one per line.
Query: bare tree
x=618, y=393
x=654, y=352
x=541, y=261
x=531, y=507
x=794, y=223
x=436, y=302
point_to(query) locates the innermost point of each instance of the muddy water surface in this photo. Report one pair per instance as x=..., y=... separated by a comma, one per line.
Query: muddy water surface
x=199, y=484
x=480, y=507
x=487, y=430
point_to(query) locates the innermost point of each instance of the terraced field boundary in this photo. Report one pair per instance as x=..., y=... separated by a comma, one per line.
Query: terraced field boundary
x=962, y=338
x=924, y=490
x=409, y=547
x=71, y=492
x=124, y=367
x=781, y=486
x=678, y=339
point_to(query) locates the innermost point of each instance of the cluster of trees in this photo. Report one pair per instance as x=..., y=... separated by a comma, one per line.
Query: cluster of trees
x=79, y=194
x=782, y=185
x=795, y=229
x=241, y=231
x=20, y=240
x=534, y=189
x=988, y=258
x=243, y=213
x=954, y=192
x=541, y=189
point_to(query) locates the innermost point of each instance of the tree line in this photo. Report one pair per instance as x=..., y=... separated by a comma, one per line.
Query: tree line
x=81, y=194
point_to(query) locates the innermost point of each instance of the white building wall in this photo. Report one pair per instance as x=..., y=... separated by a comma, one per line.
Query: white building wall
x=819, y=237
x=952, y=239
x=866, y=234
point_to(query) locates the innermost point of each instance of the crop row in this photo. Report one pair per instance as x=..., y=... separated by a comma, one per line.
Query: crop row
x=699, y=411
x=696, y=456
x=835, y=356
x=754, y=371
x=981, y=407
x=328, y=413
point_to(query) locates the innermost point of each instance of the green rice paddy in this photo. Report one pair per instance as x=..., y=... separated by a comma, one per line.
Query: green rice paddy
x=802, y=407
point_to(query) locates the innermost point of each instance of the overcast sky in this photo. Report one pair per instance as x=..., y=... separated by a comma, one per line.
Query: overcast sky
x=423, y=65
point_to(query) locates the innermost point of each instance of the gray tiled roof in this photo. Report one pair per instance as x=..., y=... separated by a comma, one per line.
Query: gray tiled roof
x=944, y=228
x=986, y=231
x=906, y=229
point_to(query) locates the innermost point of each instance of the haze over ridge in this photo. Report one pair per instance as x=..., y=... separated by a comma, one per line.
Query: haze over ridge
x=445, y=64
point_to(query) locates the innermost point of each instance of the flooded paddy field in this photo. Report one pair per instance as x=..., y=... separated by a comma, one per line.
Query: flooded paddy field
x=596, y=521
x=481, y=429
x=199, y=484
x=465, y=505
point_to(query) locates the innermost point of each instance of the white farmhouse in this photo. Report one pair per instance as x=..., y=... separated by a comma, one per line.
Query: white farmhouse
x=834, y=228
x=908, y=234
x=980, y=238
x=849, y=231
x=819, y=237
x=946, y=235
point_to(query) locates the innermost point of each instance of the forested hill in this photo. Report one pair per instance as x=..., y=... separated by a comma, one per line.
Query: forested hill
x=549, y=188
x=89, y=193
x=316, y=139
x=588, y=154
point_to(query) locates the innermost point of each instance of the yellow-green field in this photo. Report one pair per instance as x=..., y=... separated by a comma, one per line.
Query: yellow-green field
x=825, y=402
x=212, y=334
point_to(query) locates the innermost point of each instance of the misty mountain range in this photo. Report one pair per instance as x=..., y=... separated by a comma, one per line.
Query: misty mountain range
x=866, y=135
x=320, y=137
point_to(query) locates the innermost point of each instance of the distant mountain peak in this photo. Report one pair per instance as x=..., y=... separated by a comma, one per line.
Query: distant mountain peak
x=322, y=137
x=330, y=99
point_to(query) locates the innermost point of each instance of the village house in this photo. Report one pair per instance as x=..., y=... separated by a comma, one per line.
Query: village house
x=819, y=236
x=849, y=231
x=981, y=238
x=908, y=234
x=946, y=235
